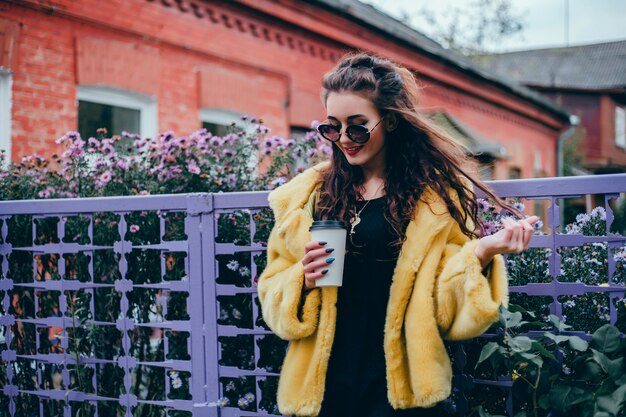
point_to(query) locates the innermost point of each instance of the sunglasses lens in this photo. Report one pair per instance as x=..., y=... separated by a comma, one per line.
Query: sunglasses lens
x=328, y=132
x=359, y=134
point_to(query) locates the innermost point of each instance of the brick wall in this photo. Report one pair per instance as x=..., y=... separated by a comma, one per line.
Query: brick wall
x=261, y=58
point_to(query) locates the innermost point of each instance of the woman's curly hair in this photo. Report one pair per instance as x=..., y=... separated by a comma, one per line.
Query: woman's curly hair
x=418, y=153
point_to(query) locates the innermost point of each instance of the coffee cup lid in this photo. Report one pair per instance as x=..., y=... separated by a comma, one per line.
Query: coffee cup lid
x=328, y=224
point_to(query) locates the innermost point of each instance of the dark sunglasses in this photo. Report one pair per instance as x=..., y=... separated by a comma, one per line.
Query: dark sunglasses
x=356, y=133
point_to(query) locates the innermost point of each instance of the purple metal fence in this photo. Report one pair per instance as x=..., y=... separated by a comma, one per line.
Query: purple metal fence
x=205, y=254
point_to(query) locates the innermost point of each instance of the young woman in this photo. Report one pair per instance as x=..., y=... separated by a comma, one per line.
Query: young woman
x=416, y=272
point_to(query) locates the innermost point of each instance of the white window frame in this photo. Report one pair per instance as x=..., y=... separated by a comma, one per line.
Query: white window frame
x=620, y=127
x=537, y=161
x=147, y=106
x=222, y=117
x=226, y=118
x=6, y=103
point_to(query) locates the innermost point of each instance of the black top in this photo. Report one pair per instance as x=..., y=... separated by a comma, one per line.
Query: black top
x=357, y=361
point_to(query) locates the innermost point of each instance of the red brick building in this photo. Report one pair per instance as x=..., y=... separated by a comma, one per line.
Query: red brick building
x=590, y=82
x=156, y=65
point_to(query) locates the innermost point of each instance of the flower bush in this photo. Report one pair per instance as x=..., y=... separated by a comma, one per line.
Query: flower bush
x=244, y=160
x=557, y=374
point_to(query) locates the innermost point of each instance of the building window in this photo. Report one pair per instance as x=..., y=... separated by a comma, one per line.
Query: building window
x=537, y=163
x=6, y=81
x=620, y=127
x=485, y=170
x=115, y=110
x=220, y=122
x=515, y=173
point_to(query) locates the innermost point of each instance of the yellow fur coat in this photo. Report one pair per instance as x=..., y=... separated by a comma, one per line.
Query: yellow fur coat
x=438, y=292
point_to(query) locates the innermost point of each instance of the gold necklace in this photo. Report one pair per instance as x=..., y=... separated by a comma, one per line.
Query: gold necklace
x=356, y=219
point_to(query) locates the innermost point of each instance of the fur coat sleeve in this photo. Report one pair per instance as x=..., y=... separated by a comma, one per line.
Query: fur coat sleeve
x=467, y=301
x=290, y=312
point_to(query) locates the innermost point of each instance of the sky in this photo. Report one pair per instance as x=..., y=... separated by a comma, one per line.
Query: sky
x=590, y=21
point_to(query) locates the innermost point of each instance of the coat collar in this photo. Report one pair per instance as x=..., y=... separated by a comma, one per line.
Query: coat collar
x=430, y=217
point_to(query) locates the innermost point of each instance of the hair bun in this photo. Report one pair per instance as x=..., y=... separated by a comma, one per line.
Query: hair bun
x=362, y=61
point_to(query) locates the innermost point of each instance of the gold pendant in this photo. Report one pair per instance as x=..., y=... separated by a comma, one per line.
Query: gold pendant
x=353, y=222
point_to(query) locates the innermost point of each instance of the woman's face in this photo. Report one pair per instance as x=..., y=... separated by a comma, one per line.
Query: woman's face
x=347, y=108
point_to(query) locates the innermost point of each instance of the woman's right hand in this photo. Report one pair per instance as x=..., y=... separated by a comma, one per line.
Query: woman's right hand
x=316, y=260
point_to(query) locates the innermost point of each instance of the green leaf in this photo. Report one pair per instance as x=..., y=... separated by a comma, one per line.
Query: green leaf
x=488, y=350
x=520, y=343
x=544, y=401
x=532, y=357
x=607, y=403
x=557, y=338
x=509, y=319
x=590, y=371
x=606, y=339
x=521, y=414
x=602, y=414
x=514, y=308
x=616, y=368
x=542, y=350
x=619, y=395
x=602, y=360
x=578, y=344
x=563, y=397
x=560, y=325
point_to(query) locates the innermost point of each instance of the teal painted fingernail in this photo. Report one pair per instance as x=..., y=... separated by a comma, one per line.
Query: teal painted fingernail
x=325, y=271
x=329, y=250
x=322, y=243
x=329, y=260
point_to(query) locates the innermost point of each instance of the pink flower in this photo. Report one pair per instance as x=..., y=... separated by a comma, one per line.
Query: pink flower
x=193, y=167
x=103, y=179
x=121, y=164
x=134, y=228
x=483, y=205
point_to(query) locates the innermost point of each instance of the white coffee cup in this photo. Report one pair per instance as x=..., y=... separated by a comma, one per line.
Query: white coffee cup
x=334, y=233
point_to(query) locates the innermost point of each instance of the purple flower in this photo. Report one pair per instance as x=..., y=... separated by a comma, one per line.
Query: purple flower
x=228, y=152
x=483, y=205
x=134, y=228
x=193, y=167
x=326, y=149
x=315, y=124
x=519, y=206
x=121, y=164
x=45, y=193
x=104, y=179
x=231, y=137
x=278, y=182
x=489, y=228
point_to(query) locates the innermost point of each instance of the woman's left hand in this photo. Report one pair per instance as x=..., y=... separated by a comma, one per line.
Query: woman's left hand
x=512, y=238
